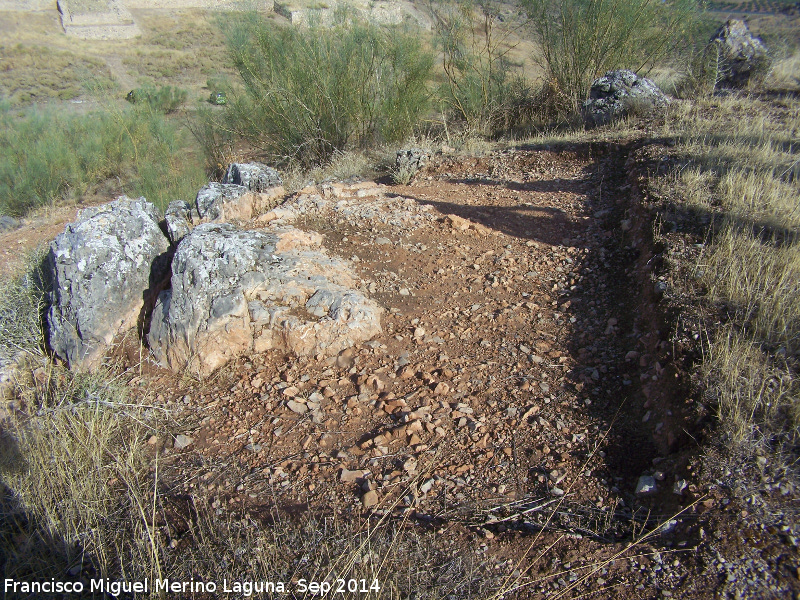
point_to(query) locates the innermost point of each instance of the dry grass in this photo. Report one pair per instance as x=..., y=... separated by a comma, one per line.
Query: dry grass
x=38, y=73
x=185, y=49
x=741, y=165
x=785, y=74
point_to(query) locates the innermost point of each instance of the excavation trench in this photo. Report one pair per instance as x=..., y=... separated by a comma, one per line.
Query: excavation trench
x=524, y=357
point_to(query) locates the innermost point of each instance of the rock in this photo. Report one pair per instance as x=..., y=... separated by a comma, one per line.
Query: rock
x=182, y=441
x=235, y=292
x=459, y=223
x=256, y=177
x=411, y=159
x=296, y=407
x=370, y=499
x=106, y=268
x=348, y=476
x=180, y=219
x=620, y=93
x=742, y=57
x=646, y=486
x=224, y=202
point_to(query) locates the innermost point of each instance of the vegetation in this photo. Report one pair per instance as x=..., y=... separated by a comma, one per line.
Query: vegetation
x=49, y=156
x=38, y=73
x=165, y=99
x=312, y=92
x=742, y=169
x=479, y=87
x=580, y=40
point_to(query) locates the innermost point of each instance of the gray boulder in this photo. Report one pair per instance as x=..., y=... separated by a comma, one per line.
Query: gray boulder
x=742, y=58
x=619, y=93
x=219, y=203
x=411, y=159
x=224, y=202
x=256, y=177
x=105, y=268
x=180, y=218
x=235, y=292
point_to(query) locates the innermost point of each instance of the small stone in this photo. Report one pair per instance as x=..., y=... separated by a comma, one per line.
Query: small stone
x=182, y=441
x=441, y=389
x=382, y=241
x=370, y=499
x=680, y=487
x=348, y=476
x=296, y=407
x=405, y=372
x=153, y=440
x=646, y=486
x=404, y=292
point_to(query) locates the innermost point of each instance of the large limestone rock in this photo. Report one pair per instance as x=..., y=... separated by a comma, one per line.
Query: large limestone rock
x=235, y=292
x=105, y=267
x=256, y=177
x=619, y=93
x=225, y=202
x=742, y=57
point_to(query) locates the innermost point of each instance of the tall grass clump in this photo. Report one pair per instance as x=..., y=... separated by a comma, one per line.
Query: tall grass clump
x=580, y=41
x=165, y=98
x=48, y=156
x=742, y=167
x=480, y=88
x=310, y=92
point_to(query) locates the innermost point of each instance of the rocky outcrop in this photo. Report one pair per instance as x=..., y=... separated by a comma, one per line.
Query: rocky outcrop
x=742, y=58
x=104, y=268
x=256, y=177
x=224, y=202
x=411, y=159
x=179, y=218
x=235, y=292
x=618, y=94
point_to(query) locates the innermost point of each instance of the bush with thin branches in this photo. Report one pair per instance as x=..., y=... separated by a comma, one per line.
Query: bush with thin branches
x=310, y=92
x=581, y=40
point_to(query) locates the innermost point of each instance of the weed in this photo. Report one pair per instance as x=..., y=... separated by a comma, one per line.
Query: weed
x=164, y=99
x=582, y=40
x=479, y=88
x=48, y=156
x=312, y=92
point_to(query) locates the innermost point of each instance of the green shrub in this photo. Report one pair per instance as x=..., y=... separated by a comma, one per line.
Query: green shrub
x=581, y=40
x=313, y=91
x=479, y=87
x=47, y=156
x=165, y=99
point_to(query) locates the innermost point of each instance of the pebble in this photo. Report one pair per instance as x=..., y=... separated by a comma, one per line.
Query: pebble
x=348, y=476
x=370, y=499
x=646, y=485
x=183, y=441
x=297, y=407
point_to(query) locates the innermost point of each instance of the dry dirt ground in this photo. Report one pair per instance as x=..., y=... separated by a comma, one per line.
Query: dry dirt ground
x=525, y=380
